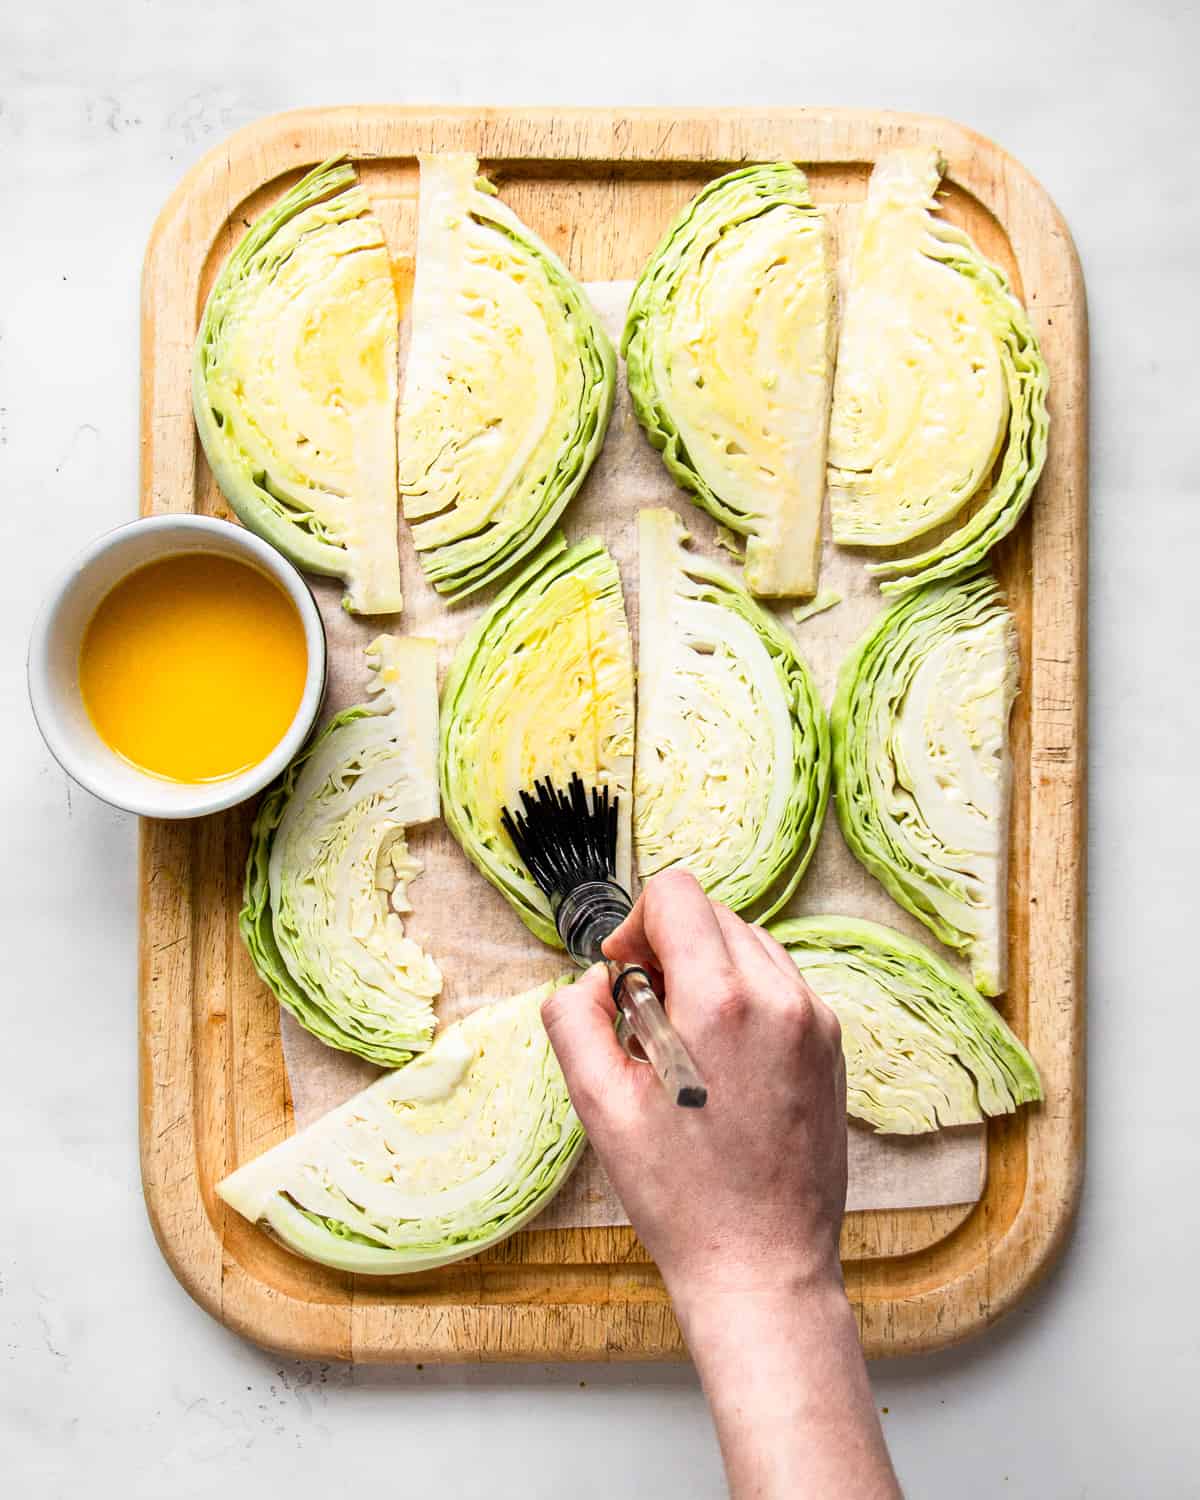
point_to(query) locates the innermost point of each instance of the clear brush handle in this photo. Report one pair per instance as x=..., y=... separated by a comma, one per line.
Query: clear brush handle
x=585, y=918
x=643, y=1019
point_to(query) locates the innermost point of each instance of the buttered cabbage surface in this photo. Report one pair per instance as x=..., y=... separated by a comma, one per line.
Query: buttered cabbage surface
x=294, y=386
x=327, y=881
x=542, y=687
x=923, y=1049
x=508, y=385
x=940, y=391
x=433, y=1162
x=729, y=350
x=922, y=767
x=733, y=767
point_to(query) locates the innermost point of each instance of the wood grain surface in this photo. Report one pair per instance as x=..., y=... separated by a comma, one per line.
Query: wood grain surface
x=599, y=186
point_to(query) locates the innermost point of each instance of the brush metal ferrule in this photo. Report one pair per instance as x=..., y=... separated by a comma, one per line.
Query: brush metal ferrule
x=587, y=915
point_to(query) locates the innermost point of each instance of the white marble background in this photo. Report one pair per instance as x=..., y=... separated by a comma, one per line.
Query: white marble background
x=111, y=1381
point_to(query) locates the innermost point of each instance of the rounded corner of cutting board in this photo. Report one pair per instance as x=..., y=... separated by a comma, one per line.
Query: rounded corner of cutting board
x=222, y=177
x=1001, y=169
x=269, y=1316
x=987, y=1277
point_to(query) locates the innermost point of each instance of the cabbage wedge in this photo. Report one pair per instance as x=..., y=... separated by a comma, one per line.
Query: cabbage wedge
x=729, y=347
x=922, y=1048
x=940, y=393
x=921, y=762
x=294, y=386
x=508, y=386
x=543, y=686
x=431, y=1163
x=733, y=763
x=329, y=868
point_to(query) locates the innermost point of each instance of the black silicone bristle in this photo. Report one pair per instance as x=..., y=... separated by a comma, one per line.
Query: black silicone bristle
x=563, y=838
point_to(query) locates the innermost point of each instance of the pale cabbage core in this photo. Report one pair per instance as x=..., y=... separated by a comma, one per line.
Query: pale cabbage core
x=498, y=396
x=489, y=351
x=923, y=768
x=300, y=382
x=714, y=765
x=433, y=1161
x=920, y=397
x=922, y=1048
x=542, y=688
x=556, y=702
x=902, y=1074
x=948, y=787
x=742, y=358
x=340, y=869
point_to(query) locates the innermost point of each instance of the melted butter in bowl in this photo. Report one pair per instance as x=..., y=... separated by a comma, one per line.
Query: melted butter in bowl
x=177, y=666
x=193, y=667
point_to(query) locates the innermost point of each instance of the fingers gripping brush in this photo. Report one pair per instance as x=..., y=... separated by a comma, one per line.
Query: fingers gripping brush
x=569, y=846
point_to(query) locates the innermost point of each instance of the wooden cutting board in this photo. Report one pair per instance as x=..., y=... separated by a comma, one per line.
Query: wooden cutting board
x=599, y=186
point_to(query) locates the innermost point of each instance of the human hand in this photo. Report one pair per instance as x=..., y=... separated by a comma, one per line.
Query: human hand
x=741, y=1202
x=747, y=1193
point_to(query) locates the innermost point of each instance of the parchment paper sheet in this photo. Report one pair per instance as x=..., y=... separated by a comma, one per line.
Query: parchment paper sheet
x=484, y=951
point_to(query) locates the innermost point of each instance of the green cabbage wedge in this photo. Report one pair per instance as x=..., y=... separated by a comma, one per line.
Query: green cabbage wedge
x=508, y=385
x=543, y=686
x=294, y=386
x=923, y=1049
x=921, y=763
x=729, y=348
x=431, y=1163
x=329, y=869
x=940, y=393
x=733, y=760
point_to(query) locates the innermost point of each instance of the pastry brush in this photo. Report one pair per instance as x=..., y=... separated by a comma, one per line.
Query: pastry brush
x=568, y=843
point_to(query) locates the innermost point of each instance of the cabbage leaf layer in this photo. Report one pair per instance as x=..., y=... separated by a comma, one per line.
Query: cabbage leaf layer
x=508, y=385
x=432, y=1163
x=923, y=1049
x=542, y=687
x=733, y=762
x=729, y=351
x=329, y=869
x=294, y=386
x=940, y=392
x=922, y=769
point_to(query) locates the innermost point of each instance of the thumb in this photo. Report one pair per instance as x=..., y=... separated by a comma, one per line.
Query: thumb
x=579, y=1022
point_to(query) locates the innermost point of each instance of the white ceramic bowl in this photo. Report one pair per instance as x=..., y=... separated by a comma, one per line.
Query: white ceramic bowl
x=54, y=665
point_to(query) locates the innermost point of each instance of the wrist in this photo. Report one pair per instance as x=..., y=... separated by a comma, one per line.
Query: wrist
x=748, y=1304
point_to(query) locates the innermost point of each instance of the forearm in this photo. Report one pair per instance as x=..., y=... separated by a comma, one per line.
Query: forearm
x=784, y=1373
